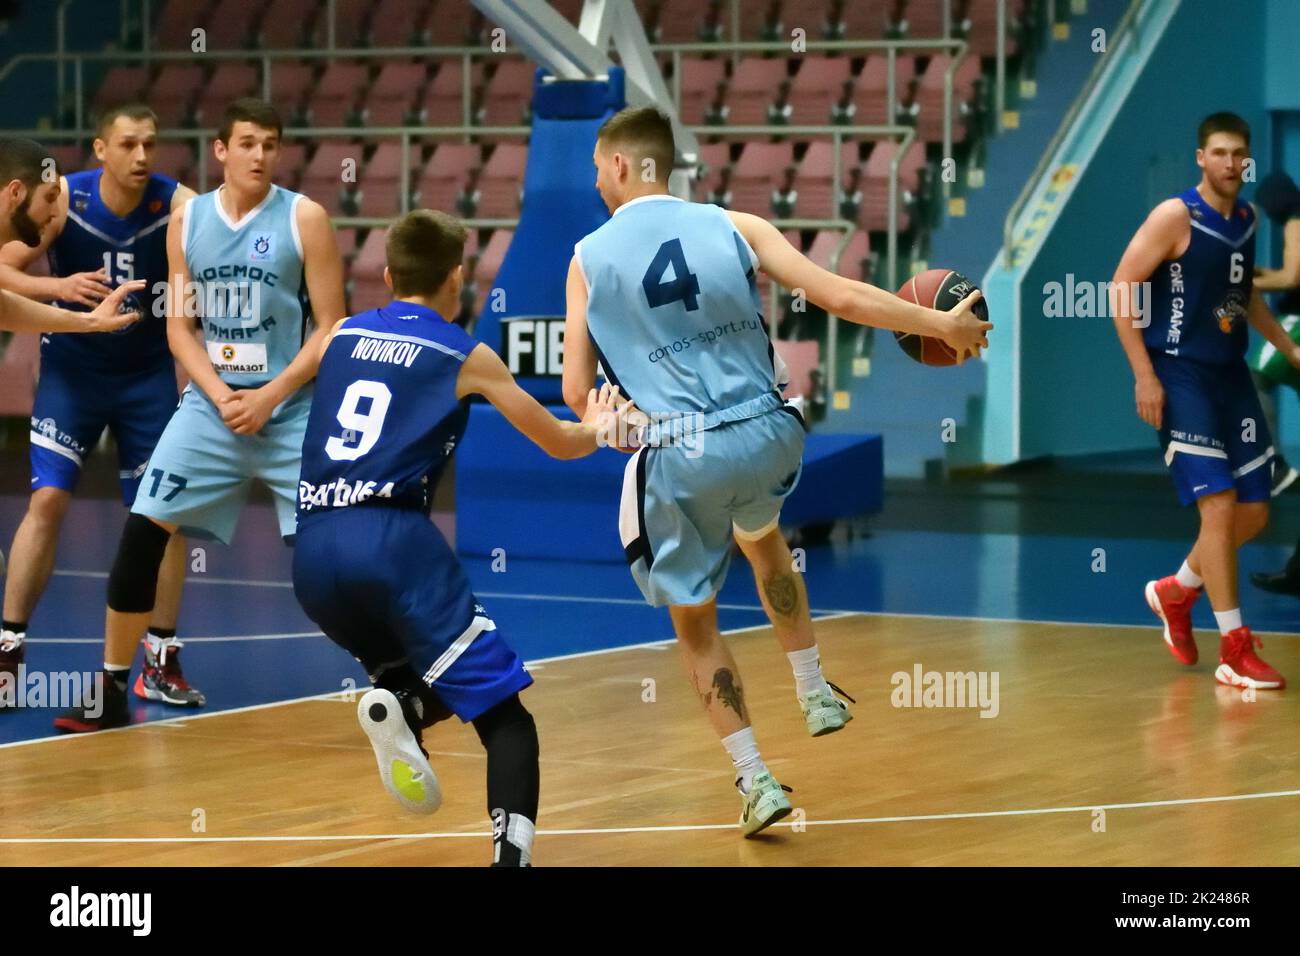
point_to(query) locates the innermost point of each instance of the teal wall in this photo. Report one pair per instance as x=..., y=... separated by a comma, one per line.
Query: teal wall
x=1076, y=388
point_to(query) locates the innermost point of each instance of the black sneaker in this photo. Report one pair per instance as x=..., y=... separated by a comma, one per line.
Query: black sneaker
x=1279, y=582
x=1284, y=476
x=10, y=661
x=109, y=710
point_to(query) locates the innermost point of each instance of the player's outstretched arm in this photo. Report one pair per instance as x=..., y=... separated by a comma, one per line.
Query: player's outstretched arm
x=1155, y=241
x=83, y=288
x=20, y=314
x=579, y=356
x=322, y=266
x=182, y=341
x=483, y=373
x=857, y=301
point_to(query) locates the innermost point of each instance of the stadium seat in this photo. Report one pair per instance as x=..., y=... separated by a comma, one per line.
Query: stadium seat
x=816, y=179
x=752, y=90
x=925, y=20
x=394, y=94
x=676, y=21
x=338, y=93
x=231, y=25
x=443, y=101
x=451, y=23
x=70, y=158
x=177, y=160
x=351, y=19
x=489, y=263
x=755, y=175
x=289, y=24
x=871, y=92
x=929, y=96
x=291, y=83
x=982, y=16
x=292, y=163
x=380, y=187
x=874, y=214
x=816, y=87
x=368, y=288
x=399, y=23
x=119, y=85
x=443, y=176
x=864, y=19
x=801, y=359
x=502, y=180
x=700, y=78
x=855, y=261
x=508, y=94
x=322, y=180
x=173, y=30
x=229, y=81
x=173, y=93
x=757, y=19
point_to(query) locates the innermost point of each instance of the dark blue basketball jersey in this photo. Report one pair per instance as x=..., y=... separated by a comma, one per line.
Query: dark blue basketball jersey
x=130, y=247
x=1199, y=300
x=385, y=417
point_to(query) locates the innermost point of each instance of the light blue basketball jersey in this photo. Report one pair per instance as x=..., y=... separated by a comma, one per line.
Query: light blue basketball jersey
x=674, y=312
x=249, y=282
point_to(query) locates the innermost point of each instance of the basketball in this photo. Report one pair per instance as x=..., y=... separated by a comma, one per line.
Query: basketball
x=936, y=289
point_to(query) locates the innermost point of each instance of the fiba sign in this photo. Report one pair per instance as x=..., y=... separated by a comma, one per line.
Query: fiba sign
x=533, y=346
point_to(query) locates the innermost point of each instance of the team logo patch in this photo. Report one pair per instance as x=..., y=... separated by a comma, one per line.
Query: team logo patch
x=228, y=352
x=48, y=428
x=80, y=204
x=1231, y=311
x=155, y=205
x=261, y=249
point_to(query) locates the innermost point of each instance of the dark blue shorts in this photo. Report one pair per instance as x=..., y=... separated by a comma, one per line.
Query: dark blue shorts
x=1213, y=434
x=384, y=585
x=73, y=406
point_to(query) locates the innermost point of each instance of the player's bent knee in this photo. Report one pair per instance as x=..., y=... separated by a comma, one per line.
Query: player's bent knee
x=48, y=505
x=133, y=581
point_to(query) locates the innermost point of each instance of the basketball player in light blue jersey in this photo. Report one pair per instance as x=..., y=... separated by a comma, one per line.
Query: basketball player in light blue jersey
x=663, y=298
x=256, y=264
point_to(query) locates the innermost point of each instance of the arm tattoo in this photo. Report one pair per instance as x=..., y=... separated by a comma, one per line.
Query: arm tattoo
x=730, y=693
x=782, y=594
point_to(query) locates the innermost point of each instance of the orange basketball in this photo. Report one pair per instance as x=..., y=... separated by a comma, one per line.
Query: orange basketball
x=935, y=289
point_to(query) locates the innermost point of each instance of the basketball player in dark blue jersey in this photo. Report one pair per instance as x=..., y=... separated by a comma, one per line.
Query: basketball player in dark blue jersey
x=370, y=567
x=1187, y=352
x=110, y=227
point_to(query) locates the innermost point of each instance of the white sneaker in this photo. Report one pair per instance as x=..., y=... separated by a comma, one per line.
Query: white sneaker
x=824, y=712
x=764, y=805
x=403, y=765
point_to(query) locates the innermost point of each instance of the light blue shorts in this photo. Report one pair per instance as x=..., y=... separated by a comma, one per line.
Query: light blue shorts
x=200, y=474
x=683, y=502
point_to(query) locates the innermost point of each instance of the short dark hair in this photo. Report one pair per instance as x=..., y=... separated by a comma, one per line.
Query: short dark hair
x=642, y=131
x=1221, y=123
x=249, y=109
x=26, y=161
x=132, y=111
x=423, y=248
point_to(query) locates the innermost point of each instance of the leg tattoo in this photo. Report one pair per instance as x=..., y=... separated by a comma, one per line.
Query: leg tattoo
x=782, y=592
x=730, y=693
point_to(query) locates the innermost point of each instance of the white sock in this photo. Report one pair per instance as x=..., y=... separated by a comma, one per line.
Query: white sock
x=744, y=755
x=1188, y=578
x=1228, y=620
x=12, y=640
x=807, y=665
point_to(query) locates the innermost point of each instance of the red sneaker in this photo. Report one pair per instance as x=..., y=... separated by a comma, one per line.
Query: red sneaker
x=1240, y=666
x=1176, y=615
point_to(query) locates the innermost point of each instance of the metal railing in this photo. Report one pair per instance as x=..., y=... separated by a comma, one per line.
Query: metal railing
x=1062, y=130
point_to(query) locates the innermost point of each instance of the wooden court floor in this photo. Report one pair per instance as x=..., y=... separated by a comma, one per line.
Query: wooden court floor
x=1104, y=751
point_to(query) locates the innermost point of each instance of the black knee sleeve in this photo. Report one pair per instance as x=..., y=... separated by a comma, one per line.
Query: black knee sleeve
x=134, y=579
x=509, y=736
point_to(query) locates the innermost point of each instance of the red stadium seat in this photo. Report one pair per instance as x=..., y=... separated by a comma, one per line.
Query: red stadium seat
x=816, y=180
x=351, y=18
x=752, y=90
x=983, y=35
x=229, y=81
x=871, y=93
x=855, y=261
x=292, y=163
x=925, y=20
x=867, y=19
x=173, y=93
x=398, y=23
x=70, y=158
x=450, y=23
x=678, y=20
x=121, y=84
x=755, y=16
x=368, y=288
x=322, y=180
x=381, y=186
x=508, y=93
x=289, y=24
x=755, y=175
x=173, y=30
x=874, y=214
x=177, y=160
x=489, y=263
x=502, y=179
x=815, y=89
x=800, y=358
x=291, y=83
x=444, y=175
x=929, y=96
x=700, y=78
x=395, y=93
x=231, y=24
x=338, y=93
x=443, y=101
x=347, y=240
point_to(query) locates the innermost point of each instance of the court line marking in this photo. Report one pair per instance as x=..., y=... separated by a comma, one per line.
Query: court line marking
x=337, y=696
x=683, y=828
x=583, y=599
